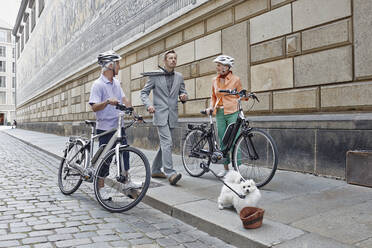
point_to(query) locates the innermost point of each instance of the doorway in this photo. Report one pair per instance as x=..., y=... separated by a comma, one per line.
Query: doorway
x=1, y=118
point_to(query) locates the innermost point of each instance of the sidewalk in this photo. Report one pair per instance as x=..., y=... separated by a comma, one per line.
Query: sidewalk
x=300, y=210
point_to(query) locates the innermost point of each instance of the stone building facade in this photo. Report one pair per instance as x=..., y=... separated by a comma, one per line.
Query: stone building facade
x=309, y=61
x=7, y=74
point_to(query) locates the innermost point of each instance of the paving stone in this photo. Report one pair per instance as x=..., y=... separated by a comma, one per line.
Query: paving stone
x=59, y=237
x=40, y=233
x=9, y=243
x=106, y=238
x=34, y=240
x=72, y=242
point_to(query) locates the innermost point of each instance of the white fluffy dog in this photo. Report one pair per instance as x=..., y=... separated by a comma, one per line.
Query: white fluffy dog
x=228, y=199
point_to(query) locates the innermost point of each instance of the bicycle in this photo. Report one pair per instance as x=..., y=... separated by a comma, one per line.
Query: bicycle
x=254, y=154
x=125, y=170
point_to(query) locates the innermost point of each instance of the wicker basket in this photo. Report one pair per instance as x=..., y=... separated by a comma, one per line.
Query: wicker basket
x=252, y=217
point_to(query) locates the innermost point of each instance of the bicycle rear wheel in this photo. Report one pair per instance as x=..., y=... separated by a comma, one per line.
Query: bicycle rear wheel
x=255, y=156
x=69, y=179
x=121, y=192
x=194, y=152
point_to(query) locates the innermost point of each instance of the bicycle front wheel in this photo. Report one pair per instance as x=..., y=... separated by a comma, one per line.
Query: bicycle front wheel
x=255, y=156
x=69, y=179
x=195, y=151
x=119, y=191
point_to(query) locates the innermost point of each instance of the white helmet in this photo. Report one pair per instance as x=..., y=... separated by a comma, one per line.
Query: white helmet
x=106, y=57
x=225, y=60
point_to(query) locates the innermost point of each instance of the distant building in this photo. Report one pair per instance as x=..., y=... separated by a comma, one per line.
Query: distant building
x=309, y=61
x=7, y=74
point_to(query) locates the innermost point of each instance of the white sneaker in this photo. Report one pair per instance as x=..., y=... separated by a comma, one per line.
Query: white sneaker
x=132, y=185
x=222, y=173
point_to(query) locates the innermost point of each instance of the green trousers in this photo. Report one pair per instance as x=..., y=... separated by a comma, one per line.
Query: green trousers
x=223, y=121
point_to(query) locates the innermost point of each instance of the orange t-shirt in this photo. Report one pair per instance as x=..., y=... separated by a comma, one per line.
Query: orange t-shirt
x=229, y=102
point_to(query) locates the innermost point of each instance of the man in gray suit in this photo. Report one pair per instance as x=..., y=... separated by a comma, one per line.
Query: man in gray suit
x=167, y=86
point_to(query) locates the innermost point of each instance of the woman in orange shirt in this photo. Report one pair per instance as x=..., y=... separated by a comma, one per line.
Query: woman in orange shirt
x=224, y=106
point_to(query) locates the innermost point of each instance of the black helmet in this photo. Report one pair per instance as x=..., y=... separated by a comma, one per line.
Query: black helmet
x=106, y=57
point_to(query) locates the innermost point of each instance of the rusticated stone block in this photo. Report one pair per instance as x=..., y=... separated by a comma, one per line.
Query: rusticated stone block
x=304, y=99
x=185, y=53
x=328, y=35
x=235, y=43
x=271, y=24
x=293, y=44
x=347, y=95
x=269, y=50
x=330, y=66
x=150, y=64
x=157, y=47
x=135, y=84
x=124, y=77
x=204, y=86
x=185, y=70
x=219, y=20
x=142, y=54
x=208, y=46
x=273, y=75
x=194, y=107
x=136, y=100
x=311, y=13
x=173, y=40
x=136, y=70
x=194, y=31
x=276, y=3
x=207, y=66
x=363, y=37
x=130, y=59
x=190, y=88
x=250, y=8
x=263, y=105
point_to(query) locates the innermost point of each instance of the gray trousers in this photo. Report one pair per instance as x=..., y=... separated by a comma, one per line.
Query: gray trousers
x=163, y=157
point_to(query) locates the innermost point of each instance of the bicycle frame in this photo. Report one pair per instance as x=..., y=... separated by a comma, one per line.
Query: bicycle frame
x=88, y=148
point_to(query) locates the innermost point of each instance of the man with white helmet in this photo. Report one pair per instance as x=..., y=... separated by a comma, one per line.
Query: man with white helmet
x=105, y=94
x=223, y=105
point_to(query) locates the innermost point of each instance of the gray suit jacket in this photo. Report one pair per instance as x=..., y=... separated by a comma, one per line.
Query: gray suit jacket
x=165, y=102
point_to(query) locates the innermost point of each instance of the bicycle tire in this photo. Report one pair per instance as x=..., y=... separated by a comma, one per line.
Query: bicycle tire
x=116, y=188
x=261, y=169
x=71, y=150
x=192, y=164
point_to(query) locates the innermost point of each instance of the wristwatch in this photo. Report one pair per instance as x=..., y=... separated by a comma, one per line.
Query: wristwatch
x=107, y=101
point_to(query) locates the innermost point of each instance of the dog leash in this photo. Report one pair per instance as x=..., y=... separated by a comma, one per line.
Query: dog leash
x=240, y=196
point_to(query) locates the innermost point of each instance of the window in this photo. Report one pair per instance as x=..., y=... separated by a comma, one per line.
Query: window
x=2, y=81
x=14, y=82
x=2, y=98
x=13, y=52
x=41, y=6
x=2, y=66
x=2, y=51
x=3, y=37
x=13, y=67
x=33, y=16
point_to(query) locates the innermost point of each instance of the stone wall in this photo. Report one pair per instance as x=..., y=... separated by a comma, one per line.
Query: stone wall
x=303, y=57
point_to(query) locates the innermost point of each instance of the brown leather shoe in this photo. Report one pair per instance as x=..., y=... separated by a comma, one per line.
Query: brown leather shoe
x=158, y=175
x=174, y=178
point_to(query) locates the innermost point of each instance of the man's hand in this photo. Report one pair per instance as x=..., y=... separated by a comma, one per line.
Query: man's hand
x=151, y=109
x=183, y=97
x=112, y=101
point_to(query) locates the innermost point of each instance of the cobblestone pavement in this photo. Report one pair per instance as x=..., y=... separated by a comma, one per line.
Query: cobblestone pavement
x=33, y=212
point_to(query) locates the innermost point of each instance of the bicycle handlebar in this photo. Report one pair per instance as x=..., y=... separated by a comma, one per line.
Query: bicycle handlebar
x=129, y=110
x=242, y=93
